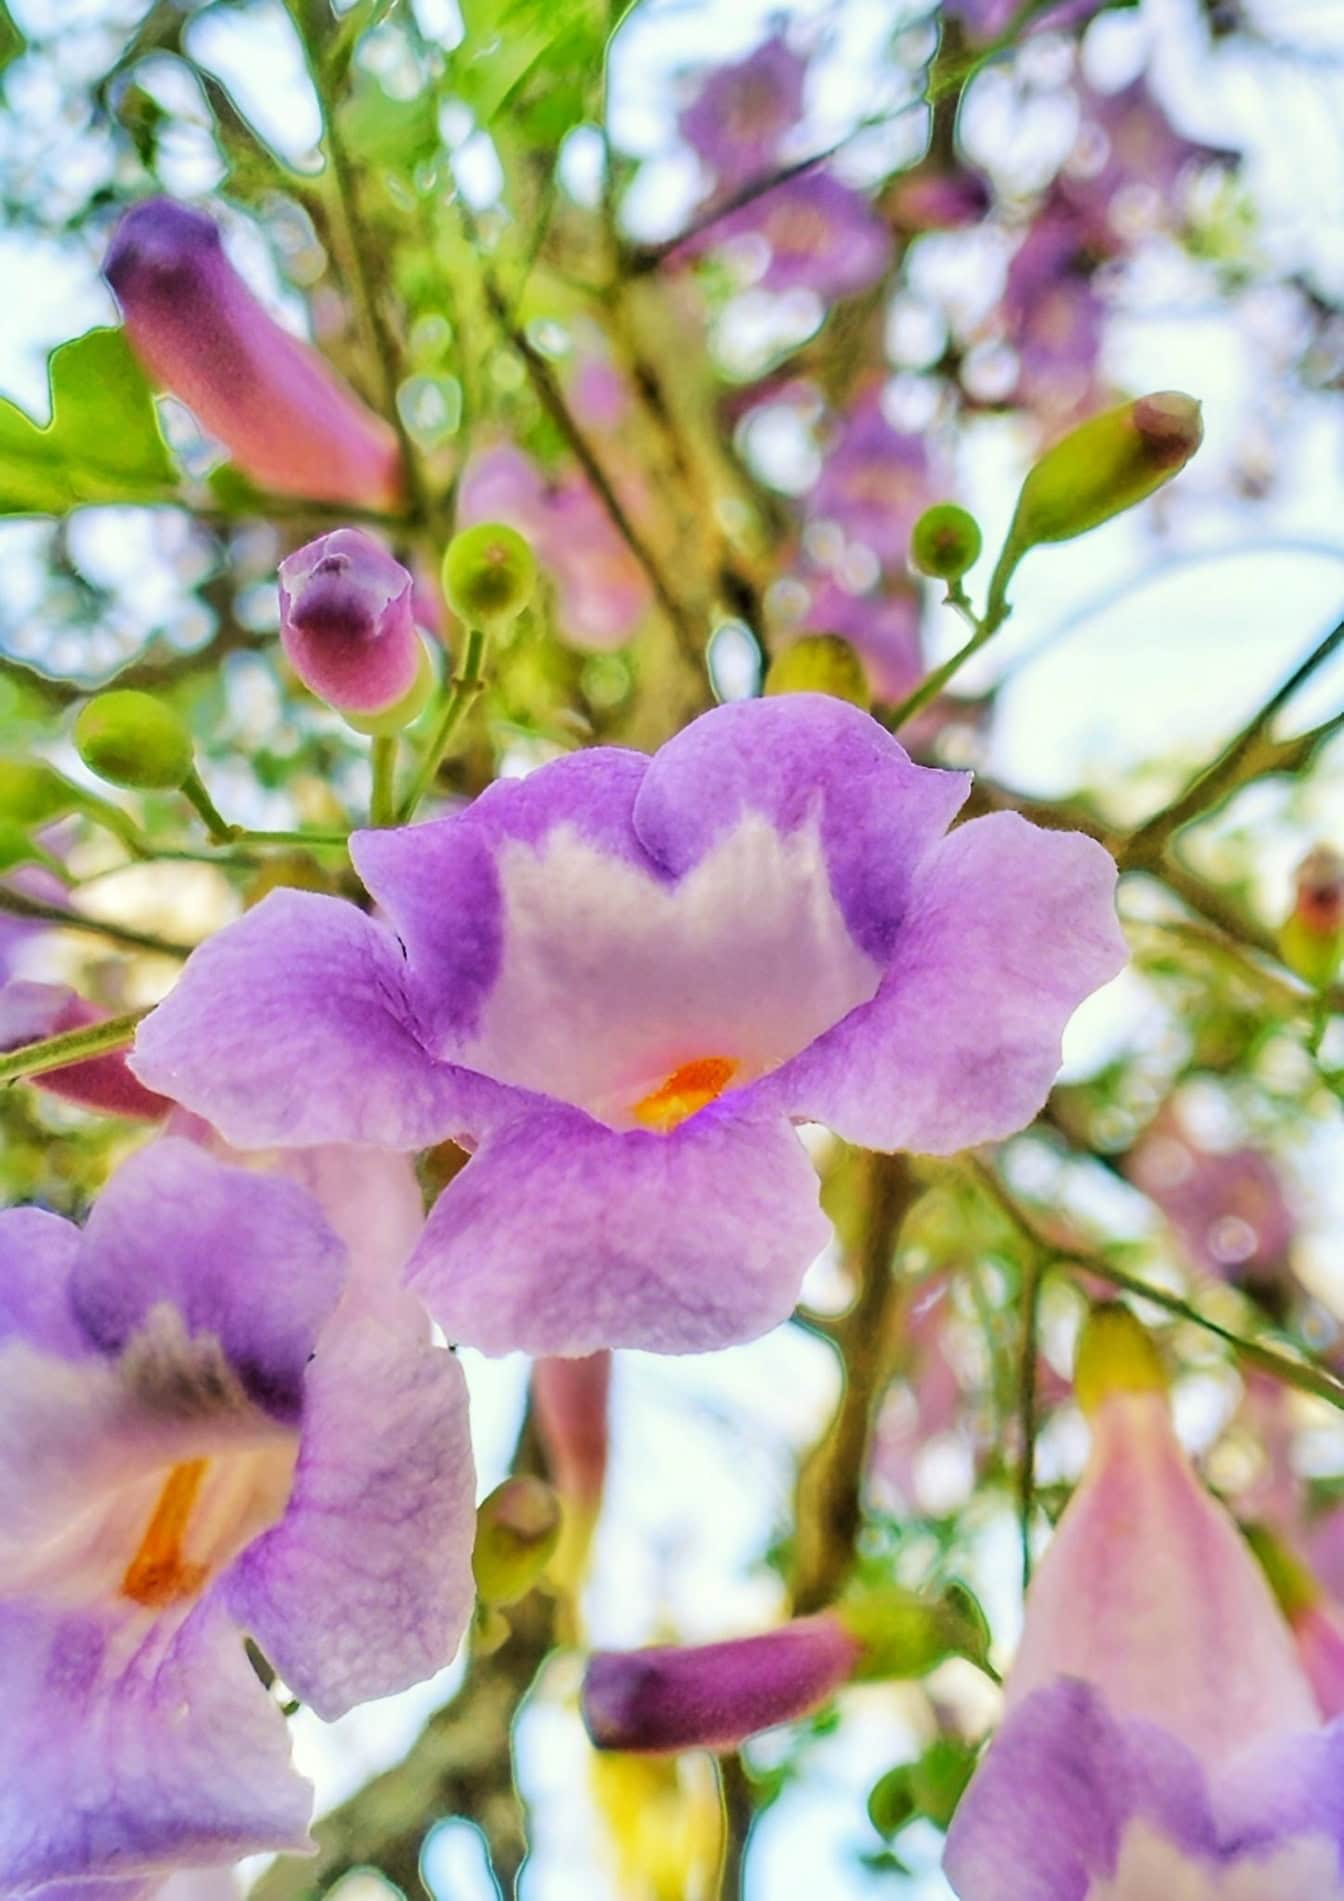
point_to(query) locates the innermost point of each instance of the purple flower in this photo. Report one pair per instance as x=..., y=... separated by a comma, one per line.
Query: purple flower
x=1127, y=146
x=1052, y=313
x=601, y=591
x=986, y=19
x=1161, y=1737
x=713, y=1696
x=620, y=981
x=31, y=1011
x=1228, y=1208
x=936, y=197
x=347, y=621
x=210, y=1422
x=743, y=112
x=821, y=235
x=874, y=482
x=280, y=410
x=883, y=628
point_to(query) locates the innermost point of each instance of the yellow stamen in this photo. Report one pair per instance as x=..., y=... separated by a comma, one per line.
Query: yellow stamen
x=158, y=1574
x=686, y=1090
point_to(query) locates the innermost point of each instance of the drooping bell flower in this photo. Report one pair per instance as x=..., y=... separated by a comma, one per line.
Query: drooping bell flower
x=620, y=981
x=347, y=621
x=1161, y=1736
x=874, y=482
x=281, y=411
x=211, y=1423
x=31, y=1011
x=713, y=1696
x=743, y=112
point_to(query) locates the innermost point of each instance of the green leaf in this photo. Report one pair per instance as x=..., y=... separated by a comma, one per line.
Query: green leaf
x=102, y=443
x=12, y=41
x=385, y=131
x=539, y=59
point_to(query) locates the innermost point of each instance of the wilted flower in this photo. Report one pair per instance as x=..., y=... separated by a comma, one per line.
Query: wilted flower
x=276, y=405
x=181, y=1461
x=620, y=981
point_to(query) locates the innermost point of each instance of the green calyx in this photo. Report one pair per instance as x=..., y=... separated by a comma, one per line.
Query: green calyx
x=905, y=1635
x=1116, y=1354
x=517, y=1530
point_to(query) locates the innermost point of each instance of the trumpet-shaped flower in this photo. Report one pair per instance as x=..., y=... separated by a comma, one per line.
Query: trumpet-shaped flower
x=1161, y=1736
x=180, y=1463
x=620, y=981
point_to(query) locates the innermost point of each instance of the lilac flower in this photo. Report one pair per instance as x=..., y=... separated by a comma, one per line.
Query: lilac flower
x=620, y=981
x=874, y=482
x=347, y=621
x=986, y=19
x=1127, y=151
x=821, y=235
x=1228, y=1208
x=742, y=113
x=936, y=197
x=1052, y=313
x=883, y=628
x=31, y=1011
x=44, y=887
x=280, y=410
x=1161, y=1736
x=713, y=1696
x=602, y=593
x=180, y=1461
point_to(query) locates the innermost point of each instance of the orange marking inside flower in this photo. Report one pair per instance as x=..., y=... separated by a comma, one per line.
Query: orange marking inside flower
x=686, y=1090
x=158, y=1574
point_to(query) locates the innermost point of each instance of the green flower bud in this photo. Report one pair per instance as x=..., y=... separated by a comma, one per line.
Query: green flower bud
x=517, y=1530
x=906, y=1635
x=403, y=711
x=945, y=542
x=1116, y=1354
x=820, y=663
x=131, y=739
x=1311, y=939
x=1105, y=466
x=489, y=575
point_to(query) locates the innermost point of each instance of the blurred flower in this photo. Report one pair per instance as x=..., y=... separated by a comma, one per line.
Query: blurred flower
x=1128, y=162
x=821, y=235
x=1053, y=315
x=1161, y=1736
x=1228, y=1207
x=621, y=981
x=276, y=405
x=874, y=482
x=32, y=1011
x=742, y=112
x=986, y=19
x=882, y=627
x=183, y=1463
x=934, y=197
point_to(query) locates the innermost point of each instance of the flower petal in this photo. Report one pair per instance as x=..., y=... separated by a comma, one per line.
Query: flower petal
x=292, y=1026
x=37, y=1255
x=365, y=1585
x=562, y=1236
x=124, y=1758
x=1010, y=929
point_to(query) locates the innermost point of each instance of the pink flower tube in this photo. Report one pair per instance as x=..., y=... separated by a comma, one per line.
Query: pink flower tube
x=283, y=414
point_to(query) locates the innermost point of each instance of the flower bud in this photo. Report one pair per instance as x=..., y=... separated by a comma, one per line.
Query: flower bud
x=1116, y=1354
x=569, y=1408
x=1311, y=941
x=945, y=542
x=30, y=1012
x=489, y=574
x=820, y=663
x=713, y=1696
x=348, y=627
x=517, y=1529
x=133, y=740
x=1105, y=466
x=285, y=417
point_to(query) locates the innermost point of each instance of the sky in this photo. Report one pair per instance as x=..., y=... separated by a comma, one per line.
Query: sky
x=1128, y=647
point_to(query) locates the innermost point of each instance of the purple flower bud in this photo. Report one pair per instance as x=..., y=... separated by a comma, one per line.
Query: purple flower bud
x=285, y=417
x=347, y=622
x=713, y=1696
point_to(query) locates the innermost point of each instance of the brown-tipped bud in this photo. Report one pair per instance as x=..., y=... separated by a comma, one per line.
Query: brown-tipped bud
x=517, y=1530
x=1311, y=941
x=1104, y=466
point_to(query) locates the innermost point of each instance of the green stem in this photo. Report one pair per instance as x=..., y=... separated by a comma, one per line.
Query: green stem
x=383, y=802
x=17, y=905
x=193, y=789
x=1026, y=1405
x=72, y=1046
x=465, y=688
x=318, y=841
x=997, y=611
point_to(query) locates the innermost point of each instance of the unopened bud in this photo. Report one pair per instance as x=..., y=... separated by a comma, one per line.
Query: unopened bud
x=284, y=415
x=945, y=542
x=517, y=1529
x=489, y=575
x=820, y=663
x=1311, y=941
x=1104, y=466
x=132, y=739
x=348, y=627
x=1116, y=1354
x=713, y=1696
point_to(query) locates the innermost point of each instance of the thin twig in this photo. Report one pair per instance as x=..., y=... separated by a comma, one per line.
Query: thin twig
x=15, y=904
x=1030, y=1300
x=71, y=1046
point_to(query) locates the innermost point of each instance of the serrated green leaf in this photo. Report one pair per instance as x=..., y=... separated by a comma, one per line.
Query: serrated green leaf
x=103, y=442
